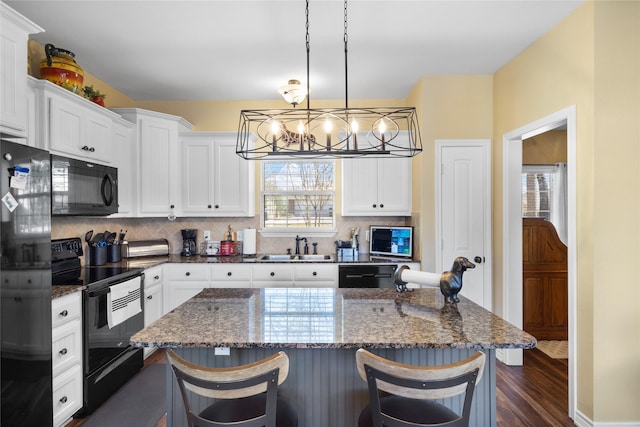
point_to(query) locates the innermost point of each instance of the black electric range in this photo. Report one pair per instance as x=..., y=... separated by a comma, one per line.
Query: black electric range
x=109, y=360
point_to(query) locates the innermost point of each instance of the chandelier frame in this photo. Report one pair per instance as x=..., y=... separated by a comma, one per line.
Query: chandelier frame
x=328, y=132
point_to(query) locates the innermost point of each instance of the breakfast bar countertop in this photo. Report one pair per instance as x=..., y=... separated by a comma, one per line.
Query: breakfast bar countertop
x=330, y=318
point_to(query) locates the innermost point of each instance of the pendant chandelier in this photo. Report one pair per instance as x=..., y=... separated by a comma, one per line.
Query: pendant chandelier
x=327, y=132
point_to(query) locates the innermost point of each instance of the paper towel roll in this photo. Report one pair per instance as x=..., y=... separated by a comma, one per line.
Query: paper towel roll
x=249, y=241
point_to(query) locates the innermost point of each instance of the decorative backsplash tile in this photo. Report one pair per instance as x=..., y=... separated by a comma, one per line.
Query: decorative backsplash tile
x=162, y=228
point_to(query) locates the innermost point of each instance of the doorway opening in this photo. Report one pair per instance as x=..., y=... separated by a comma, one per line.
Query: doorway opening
x=512, y=294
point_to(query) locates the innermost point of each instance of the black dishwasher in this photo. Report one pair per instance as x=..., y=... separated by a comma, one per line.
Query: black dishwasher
x=366, y=276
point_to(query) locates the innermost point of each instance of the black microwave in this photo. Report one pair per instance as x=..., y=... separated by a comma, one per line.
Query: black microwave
x=80, y=187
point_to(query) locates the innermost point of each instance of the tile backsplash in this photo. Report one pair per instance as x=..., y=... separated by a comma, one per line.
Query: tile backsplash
x=162, y=228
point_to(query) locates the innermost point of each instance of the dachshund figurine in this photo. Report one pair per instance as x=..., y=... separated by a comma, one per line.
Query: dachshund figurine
x=451, y=281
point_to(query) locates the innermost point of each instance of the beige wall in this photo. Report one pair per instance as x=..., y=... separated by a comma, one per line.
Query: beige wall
x=592, y=60
x=616, y=291
x=450, y=107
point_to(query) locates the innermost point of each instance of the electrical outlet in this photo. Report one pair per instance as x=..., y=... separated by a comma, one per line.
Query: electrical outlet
x=207, y=234
x=222, y=351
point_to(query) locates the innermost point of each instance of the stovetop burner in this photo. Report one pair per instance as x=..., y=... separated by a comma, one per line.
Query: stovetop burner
x=67, y=270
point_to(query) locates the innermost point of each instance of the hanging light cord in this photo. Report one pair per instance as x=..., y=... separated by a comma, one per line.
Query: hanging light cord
x=308, y=43
x=346, y=79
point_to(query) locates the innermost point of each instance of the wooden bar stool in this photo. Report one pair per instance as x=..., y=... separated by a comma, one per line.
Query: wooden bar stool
x=413, y=389
x=245, y=396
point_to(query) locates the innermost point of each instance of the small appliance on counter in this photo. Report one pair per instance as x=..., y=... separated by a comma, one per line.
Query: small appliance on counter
x=349, y=250
x=189, y=245
x=143, y=248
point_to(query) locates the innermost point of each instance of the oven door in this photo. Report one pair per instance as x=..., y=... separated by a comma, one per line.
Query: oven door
x=109, y=359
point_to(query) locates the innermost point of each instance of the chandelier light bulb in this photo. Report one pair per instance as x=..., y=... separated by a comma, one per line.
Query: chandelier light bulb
x=275, y=128
x=382, y=128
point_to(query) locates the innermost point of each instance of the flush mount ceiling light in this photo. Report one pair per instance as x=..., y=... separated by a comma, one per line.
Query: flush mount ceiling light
x=293, y=92
x=327, y=132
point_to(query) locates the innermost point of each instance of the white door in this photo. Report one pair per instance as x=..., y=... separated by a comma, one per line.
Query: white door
x=463, y=214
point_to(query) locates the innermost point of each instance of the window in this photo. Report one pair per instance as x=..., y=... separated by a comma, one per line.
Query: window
x=536, y=194
x=544, y=194
x=298, y=194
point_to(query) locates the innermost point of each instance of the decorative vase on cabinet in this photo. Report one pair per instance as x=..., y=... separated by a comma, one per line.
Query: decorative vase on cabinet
x=61, y=68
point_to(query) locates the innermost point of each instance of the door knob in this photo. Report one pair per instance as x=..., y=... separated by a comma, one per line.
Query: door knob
x=478, y=260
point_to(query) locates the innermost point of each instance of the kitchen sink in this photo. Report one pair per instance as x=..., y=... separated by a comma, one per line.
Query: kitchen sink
x=314, y=258
x=277, y=258
x=293, y=258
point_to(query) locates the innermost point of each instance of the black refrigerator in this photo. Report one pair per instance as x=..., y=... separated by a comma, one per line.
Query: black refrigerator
x=25, y=294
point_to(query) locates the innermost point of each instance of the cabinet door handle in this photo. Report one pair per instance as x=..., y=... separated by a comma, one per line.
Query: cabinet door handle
x=217, y=206
x=209, y=206
x=85, y=148
x=229, y=274
x=63, y=351
x=273, y=274
x=381, y=205
x=63, y=399
x=315, y=273
x=187, y=274
x=150, y=297
x=64, y=313
x=156, y=277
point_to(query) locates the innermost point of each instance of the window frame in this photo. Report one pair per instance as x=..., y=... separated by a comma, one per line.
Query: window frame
x=290, y=231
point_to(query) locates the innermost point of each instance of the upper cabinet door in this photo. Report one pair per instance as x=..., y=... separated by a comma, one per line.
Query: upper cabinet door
x=216, y=181
x=14, y=35
x=377, y=186
x=233, y=180
x=158, y=170
x=159, y=163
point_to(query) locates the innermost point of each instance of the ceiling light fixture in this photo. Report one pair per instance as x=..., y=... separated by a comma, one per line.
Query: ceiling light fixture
x=327, y=132
x=293, y=92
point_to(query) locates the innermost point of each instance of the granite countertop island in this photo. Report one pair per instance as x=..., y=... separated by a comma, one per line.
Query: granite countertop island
x=330, y=318
x=320, y=330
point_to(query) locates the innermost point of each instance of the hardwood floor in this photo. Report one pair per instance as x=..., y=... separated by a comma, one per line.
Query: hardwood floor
x=532, y=395
x=535, y=394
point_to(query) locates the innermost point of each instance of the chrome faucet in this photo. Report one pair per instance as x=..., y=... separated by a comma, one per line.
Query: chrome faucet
x=306, y=246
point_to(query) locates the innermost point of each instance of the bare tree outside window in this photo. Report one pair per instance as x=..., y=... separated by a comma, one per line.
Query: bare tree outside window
x=298, y=194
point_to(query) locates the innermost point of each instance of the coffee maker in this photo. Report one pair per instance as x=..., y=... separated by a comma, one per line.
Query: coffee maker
x=189, y=246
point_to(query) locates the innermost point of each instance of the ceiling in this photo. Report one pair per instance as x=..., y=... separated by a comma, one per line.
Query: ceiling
x=245, y=50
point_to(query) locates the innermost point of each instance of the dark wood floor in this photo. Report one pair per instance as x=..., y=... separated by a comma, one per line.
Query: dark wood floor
x=535, y=394
x=532, y=395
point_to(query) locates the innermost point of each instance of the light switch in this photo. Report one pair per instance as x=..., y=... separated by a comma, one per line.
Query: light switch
x=207, y=234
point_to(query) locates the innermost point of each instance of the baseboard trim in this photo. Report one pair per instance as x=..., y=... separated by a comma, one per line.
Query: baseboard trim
x=583, y=421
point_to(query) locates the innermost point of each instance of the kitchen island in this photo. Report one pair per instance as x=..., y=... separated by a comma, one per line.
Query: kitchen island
x=320, y=329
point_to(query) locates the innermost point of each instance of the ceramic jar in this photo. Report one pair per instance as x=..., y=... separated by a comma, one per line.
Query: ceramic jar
x=61, y=68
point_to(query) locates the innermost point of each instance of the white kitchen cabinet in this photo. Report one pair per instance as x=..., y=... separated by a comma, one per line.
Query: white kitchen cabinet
x=125, y=159
x=159, y=165
x=153, y=298
x=66, y=315
x=272, y=275
x=377, y=186
x=315, y=275
x=14, y=36
x=215, y=180
x=230, y=275
x=184, y=281
x=70, y=125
